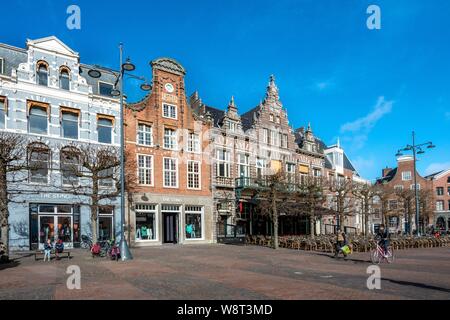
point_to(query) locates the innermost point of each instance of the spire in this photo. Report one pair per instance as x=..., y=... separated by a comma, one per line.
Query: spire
x=309, y=127
x=232, y=106
x=272, y=90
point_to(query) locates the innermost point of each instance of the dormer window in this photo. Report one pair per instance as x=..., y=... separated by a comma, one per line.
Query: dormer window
x=64, y=79
x=42, y=73
x=232, y=126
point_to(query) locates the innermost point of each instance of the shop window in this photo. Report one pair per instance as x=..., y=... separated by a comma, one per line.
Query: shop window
x=104, y=128
x=193, y=221
x=42, y=73
x=39, y=163
x=38, y=118
x=64, y=79
x=105, y=223
x=145, y=222
x=69, y=123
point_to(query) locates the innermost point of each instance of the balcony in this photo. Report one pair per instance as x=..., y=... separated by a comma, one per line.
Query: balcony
x=224, y=182
x=248, y=183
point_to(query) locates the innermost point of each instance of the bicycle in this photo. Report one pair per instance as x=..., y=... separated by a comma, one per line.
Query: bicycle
x=86, y=242
x=377, y=255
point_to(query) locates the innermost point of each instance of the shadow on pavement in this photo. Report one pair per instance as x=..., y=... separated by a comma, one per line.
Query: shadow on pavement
x=418, y=285
x=342, y=258
x=8, y=265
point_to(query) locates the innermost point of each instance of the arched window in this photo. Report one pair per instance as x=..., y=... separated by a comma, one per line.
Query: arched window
x=38, y=163
x=64, y=78
x=70, y=166
x=42, y=73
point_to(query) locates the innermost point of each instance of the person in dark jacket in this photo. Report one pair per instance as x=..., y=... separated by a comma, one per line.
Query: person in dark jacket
x=383, y=236
x=59, y=248
x=341, y=241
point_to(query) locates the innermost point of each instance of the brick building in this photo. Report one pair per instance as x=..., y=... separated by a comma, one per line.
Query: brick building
x=171, y=199
x=441, y=205
x=399, y=182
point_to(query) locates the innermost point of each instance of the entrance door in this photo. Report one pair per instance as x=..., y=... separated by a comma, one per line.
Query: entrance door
x=55, y=228
x=170, y=227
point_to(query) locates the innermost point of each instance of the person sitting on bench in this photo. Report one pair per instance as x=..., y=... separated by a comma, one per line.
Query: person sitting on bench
x=59, y=248
x=48, y=249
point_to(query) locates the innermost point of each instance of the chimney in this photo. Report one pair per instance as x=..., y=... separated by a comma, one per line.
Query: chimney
x=386, y=171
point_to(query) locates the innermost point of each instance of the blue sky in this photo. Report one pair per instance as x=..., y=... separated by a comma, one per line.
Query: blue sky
x=371, y=88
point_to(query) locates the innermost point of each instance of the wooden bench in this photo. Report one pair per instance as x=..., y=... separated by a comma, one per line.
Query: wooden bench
x=40, y=253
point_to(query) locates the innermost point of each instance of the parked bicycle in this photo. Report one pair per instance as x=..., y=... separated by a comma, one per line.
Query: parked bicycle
x=86, y=242
x=378, y=254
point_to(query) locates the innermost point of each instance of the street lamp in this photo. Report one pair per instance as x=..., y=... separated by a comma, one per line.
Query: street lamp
x=416, y=149
x=118, y=92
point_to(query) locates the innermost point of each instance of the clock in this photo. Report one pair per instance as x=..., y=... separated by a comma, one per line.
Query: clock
x=169, y=87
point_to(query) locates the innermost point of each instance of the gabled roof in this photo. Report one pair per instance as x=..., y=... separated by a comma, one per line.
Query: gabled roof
x=247, y=118
x=438, y=175
x=347, y=164
x=52, y=43
x=389, y=176
x=216, y=114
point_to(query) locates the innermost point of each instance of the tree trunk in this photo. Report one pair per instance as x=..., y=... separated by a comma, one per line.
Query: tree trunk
x=275, y=222
x=312, y=224
x=94, y=208
x=4, y=212
x=366, y=218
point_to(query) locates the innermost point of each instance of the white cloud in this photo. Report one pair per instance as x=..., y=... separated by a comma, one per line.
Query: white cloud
x=436, y=167
x=362, y=164
x=359, y=129
x=366, y=123
x=323, y=85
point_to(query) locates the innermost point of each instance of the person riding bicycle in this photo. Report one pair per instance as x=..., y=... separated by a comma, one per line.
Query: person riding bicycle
x=340, y=243
x=383, y=236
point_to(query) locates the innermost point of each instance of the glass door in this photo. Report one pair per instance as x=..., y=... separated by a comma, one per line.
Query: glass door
x=46, y=230
x=65, y=230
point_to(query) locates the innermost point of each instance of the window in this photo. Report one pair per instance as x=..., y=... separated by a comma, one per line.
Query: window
x=105, y=89
x=2, y=66
x=448, y=179
x=38, y=120
x=393, y=222
x=105, y=223
x=448, y=191
x=193, y=169
x=271, y=117
x=170, y=173
x=193, y=143
x=279, y=140
x=266, y=136
x=145, y=170
x=223, y=163
x=42, y=73
x=393, y=205
x=448, y=205
x=70, y=166
x=232, y=126
x=106, y=178
x=145, y=135
x=278, y=120
x=406, y=175
x=284, y=143
x=317, y=173
x=273, y=137
x=290, y=170
x=145, y=222
x=64, y=79
x=398, y=188
x=440, y=191
x=169, y=111
x=104, y=128
x=170, y=139
x=3, y=111
x=69, y=124
x=194, y=216
x=39, y=160
x=412, y=187
x=440, y=205
x=244, y=169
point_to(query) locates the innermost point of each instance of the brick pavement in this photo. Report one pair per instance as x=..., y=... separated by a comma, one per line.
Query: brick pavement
x=230, y=272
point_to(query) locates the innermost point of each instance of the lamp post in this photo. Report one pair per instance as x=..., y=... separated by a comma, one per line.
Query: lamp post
x=416, y=149
x=125, y=68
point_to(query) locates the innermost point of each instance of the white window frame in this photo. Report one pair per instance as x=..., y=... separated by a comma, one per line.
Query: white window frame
x=412, y=187
x=202, y=216
x=226, y=161
x=266, y=136
x=175, y=109
x=176, y=173
x=440, y=208
x=173, y=139
x=193, y=145
x=406, y=176
x=147, y=208
x=245, y=164
x=145, y=142
x=199, y=174
x=151, y=168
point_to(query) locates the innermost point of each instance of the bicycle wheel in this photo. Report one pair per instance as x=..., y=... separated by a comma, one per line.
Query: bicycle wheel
x=390, y=255
x=375, y=256
x=84, y=245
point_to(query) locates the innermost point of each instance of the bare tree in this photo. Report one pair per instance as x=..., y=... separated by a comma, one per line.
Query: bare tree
x=406, y=201
x=383, y=193
x=131, y=185
x=92, y=172
x=13, y=160
x=311, y=197
x=341, y=190
x=365, y=193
